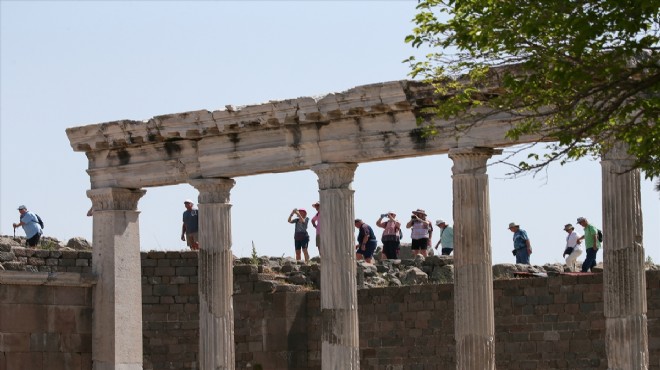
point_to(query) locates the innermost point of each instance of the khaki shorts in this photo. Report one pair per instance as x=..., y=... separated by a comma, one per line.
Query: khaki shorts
x=192, y=241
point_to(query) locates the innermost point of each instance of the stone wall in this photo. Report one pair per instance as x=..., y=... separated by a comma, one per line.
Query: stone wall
x=45, y=321
x=541, y=323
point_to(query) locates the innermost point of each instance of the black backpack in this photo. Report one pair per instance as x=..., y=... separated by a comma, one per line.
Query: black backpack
x=600, y=236
x=40, y=221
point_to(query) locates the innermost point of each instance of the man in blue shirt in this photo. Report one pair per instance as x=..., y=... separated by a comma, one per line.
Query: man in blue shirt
x=522, y=247
x=30, y=224
x=190, y=225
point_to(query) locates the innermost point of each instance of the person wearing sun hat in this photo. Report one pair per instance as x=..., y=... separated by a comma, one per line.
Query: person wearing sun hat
x=190, y=225
x=391, y=238
x=522, y=247
x=300, y=235
x=573, y=249
x=421, y=232
x=591, y=243
x=446, y=237
x=31, y=226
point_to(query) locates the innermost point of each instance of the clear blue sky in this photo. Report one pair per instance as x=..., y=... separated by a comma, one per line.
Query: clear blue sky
x=66, y=64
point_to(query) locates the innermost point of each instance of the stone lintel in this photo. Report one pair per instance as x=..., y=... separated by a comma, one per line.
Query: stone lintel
x=47, y=278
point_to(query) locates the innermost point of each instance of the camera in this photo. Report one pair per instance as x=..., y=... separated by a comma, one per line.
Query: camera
x=383, y=215
x=412, y=217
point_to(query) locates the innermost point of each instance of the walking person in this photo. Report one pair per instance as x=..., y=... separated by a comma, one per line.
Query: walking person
x=366, y=241
x=573, y=249
x=522, y=247
x=30, y=223
x=446, y=237
x=190, y=226
x=421, y=233
x=316, y=222
x=591, y=244
x=391, y=235
x=300, y=235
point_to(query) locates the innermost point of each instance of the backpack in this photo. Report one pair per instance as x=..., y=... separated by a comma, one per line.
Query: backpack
x=40, y=221
x=600, y=236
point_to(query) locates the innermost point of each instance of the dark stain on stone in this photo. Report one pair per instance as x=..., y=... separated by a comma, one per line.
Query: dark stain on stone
x=172, y=147
x=297, y=136
x=151, y=136
x=233, y=137
x=123, y=156
x=390, y=141
x=419, y=138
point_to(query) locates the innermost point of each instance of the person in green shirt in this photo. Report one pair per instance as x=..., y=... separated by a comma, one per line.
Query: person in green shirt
x=591, y=243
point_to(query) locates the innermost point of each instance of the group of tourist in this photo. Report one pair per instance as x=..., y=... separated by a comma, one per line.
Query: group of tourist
x=522, y=247
x=421, y=233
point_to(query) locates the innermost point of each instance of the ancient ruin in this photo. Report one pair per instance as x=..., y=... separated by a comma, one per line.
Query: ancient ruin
x=330, y=135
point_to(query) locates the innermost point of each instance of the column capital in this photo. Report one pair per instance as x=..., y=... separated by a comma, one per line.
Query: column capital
x=115, y=199
x=335, y=175
x=213, y=190
x=618, y=152
x=471, y=160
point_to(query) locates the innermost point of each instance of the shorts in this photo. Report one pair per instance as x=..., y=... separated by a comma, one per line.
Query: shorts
x=447, y=251
x=419, y=244
x=301, y=244
x=33, y=241
x=192, y=241
x=391, y=249
x=369, y=249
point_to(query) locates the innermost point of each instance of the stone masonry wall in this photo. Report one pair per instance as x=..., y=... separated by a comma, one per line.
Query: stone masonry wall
x=45, y=327
x=541, y=323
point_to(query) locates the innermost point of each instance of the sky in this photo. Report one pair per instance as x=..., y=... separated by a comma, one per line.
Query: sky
x=66, y=64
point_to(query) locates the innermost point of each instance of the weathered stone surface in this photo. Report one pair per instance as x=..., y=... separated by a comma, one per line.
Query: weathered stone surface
x=7, y=256
x=78, y=243
x=415, y=276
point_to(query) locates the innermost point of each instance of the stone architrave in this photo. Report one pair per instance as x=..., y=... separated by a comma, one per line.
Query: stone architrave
x=340, y=347
x=473, y=285
x=624, y=281
x=216, y=279
x=117, y=319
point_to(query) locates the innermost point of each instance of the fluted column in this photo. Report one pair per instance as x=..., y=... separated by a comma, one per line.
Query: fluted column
x=624, y=281
x=216, y=278
x=473, y=274
x=339, y=332
x=117, y=319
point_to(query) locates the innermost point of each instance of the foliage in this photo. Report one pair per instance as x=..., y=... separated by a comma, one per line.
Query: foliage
x=582, y=74
x=254, y=256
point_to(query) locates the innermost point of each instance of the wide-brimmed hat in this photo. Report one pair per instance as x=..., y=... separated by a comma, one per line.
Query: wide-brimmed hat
x=581, y=219
x=21, y=207
x=513, y=224
x=302, y=210
x=420, y=211
x=568, y=227
x=188, y=201
x=316, y=204
x=391, y=213
x=439, y=222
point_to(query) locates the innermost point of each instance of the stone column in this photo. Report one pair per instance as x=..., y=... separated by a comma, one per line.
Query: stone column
x=339, y=332
x=117, y=319
x=624, y=281
x=473, y=273
x=216, y=278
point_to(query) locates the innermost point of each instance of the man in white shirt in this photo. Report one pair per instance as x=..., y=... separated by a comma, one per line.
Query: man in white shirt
x=573, y=248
